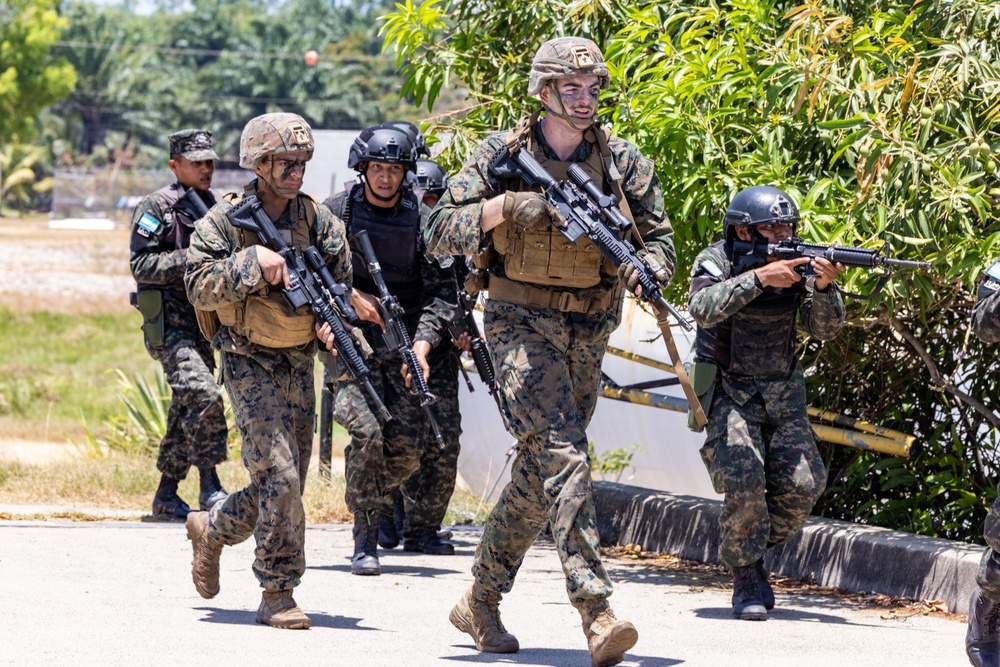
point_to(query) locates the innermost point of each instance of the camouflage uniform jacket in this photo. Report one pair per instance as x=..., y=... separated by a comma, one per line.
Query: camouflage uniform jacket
x=713, y=300
x=439, y=298
x=162, y=224
x=986, y=314
x=221, y=271
x=454, y=228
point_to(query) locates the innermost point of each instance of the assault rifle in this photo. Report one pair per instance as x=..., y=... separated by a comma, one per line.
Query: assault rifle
x=591, y=213
x=395, y=334
x=464, y=322
x=313, y=286
x=194, y=199
x=751, y=254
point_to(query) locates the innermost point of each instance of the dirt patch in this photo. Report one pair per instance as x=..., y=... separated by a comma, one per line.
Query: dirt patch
x=63, y=271
x=717, y=577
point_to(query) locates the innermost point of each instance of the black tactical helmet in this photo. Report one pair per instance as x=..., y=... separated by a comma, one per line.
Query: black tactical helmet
x=415, y=135
x=381, y=143
x=760, y=205
x=431, y=177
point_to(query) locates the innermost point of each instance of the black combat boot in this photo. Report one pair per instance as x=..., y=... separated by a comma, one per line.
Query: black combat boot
x=982, y=641
x=365, y=559
x=429, y=542
x=211, y=490
x=390, y=528
x=747, y=604
x=167, y=503
x=766, y=592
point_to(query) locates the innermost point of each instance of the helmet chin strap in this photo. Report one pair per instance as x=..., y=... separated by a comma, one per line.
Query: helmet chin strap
x=271, y=187
x=581, y=124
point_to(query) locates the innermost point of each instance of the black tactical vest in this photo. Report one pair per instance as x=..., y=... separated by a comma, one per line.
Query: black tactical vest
x=396, y=240
x=757, y=341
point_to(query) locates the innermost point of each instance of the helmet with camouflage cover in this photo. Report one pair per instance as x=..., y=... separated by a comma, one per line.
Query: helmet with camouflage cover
x=566, y=56
x=274, y=133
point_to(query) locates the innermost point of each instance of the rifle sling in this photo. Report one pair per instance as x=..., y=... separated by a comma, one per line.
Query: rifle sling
x=663, y=321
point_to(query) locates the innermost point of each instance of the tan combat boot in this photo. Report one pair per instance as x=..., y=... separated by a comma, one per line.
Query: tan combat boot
x=607, y=637
x=205, y=564
x=478, y=615
x=278, y=609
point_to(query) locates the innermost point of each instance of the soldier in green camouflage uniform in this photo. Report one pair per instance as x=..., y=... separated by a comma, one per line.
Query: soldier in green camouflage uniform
x=760, y=450
x=550, y=309
x=982, y=641
x=267, y=356
x=162, y=224
x=382, y=454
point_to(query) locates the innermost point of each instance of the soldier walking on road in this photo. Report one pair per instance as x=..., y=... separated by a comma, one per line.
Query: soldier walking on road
x=760, y=450
x=982, y=641
x=382, y=454
x=551, y=308
x=268, y=355
x=162, y=223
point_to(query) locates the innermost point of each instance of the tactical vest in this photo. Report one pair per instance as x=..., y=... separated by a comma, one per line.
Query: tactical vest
x=546, y=257
x=757, y=341
x=264, y=317
x=396, y=241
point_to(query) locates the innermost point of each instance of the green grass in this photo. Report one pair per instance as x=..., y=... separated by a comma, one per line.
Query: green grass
x=56, y=368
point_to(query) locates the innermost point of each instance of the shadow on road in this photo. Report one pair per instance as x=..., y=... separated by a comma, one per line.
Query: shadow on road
x=244, y=617
x=554, y=657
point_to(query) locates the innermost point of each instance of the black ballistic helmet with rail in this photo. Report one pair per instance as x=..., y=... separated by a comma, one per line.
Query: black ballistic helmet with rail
x=416, y=136
x=382, y=143
x=760, y=205
x=431, y=177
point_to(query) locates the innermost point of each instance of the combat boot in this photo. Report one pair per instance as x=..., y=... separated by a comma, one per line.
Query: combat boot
x=763, y=585
x=388, y=536
x=205, y=564
x=747, y=603
x=607, y=637
x=365, y=559
x=167, y=503
x=278, y=609
x=982, y=640
x=478, y=615
x=429, y=542
x=211, y=490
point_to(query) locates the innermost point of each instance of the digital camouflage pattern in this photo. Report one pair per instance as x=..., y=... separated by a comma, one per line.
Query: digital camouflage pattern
x=382, y=455
x=760, y=450
x=986, y=325
x=196, y=430
x=272, y=393
x=274, y=133
x=193, y=144
x=548, y=364
x=566, y=56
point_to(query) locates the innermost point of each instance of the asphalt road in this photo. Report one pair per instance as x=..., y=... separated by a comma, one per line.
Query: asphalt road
x=121, y=594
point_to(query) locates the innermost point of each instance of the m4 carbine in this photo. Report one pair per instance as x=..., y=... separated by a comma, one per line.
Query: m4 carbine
x=312, y=286
x=751, y=254
x=465, y=323
x=396, y=336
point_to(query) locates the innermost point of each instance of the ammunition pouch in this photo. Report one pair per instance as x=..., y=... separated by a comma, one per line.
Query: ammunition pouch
x=703, y=376
x=149, y=302
x=208, y=323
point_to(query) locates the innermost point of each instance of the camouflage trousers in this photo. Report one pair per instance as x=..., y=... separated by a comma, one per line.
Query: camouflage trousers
x=549, y=366
x=988, y=578
x=764, y=459
x=196, y=421
x=381, y=455
x=427, y=491
x=275, y=410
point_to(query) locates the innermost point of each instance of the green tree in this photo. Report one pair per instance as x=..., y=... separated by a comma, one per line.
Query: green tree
x=877, y=117
x=31, y=78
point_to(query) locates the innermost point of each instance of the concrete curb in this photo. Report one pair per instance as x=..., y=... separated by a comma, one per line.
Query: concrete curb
x=845, y=555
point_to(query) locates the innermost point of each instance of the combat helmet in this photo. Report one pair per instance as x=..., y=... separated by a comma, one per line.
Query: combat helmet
x=760, y=205
x=274, y=133
x=382, y=143
x=416, y=136
x=431, y=177
x=566, y=56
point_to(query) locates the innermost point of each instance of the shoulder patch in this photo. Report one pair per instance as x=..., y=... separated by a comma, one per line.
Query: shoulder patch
x=711, y=268
x=149, y=223
x=994, y=272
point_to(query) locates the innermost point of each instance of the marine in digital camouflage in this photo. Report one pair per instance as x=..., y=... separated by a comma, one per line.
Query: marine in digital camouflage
x=272, y=391
x=196, y=430
x=548, y=364
x=760, y=450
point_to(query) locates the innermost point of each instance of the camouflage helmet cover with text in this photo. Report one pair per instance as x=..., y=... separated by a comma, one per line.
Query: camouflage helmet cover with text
x=566, y=56
x=274, y=133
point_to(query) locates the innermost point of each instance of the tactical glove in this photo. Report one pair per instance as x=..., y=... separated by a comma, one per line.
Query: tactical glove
x=630, y=278
x=657, y=267
x=529, y=210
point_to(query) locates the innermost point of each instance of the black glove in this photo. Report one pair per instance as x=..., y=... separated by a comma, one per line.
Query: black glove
x=530, y=210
